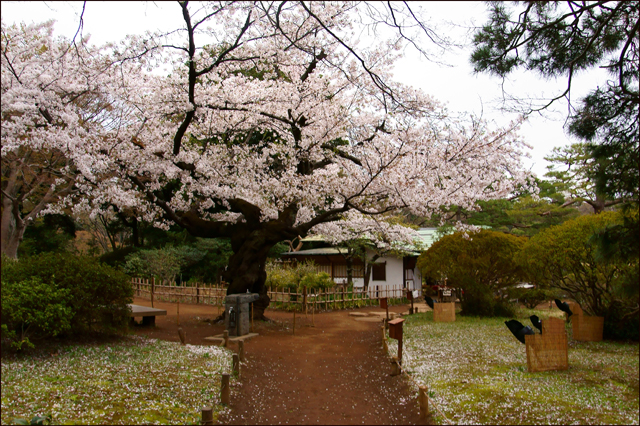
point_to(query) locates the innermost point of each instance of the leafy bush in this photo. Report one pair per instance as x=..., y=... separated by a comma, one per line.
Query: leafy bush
x=562, y=257
x=301, y=270
x=504, y=308
x=566, y=257
x=50, y=233
x=35, y=420
x=532, y=297
x=297, y=276
x=486, y=257
x=117, y=258
x=165, y=263
x=280, y=277
x=32, y=307
x=85, y=296
x=320, y=280
x=478, y=300
x=618, y=326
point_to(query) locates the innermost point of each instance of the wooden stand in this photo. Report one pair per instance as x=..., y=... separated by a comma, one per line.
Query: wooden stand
x=586, y=328
x=553, y=326
x=547, y=352
x=444, y=312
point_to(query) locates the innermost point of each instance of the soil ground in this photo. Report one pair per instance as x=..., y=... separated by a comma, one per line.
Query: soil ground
x=331, y=371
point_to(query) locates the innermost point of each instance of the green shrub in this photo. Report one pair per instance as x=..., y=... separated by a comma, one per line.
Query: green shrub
x=33, y=308
x=297, y=276
x=532, y=297
x=504, y=308
x=315, y=280
x=301, y=270
x=618, y=326
x=279, y=277
x=478, y=300
x=87, y=295
x=117, y=258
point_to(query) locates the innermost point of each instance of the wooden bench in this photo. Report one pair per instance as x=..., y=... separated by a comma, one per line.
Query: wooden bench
x=148, y=314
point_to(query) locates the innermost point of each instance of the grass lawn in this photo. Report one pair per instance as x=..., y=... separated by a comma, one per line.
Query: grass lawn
x=135, y=381
x=476, y=373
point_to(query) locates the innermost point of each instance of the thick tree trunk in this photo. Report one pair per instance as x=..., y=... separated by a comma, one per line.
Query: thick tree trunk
x=246, y=269
x=11, y=230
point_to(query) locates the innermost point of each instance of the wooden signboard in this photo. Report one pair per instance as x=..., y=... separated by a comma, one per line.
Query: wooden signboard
x=553, y=326
x=444, y=312
x=585, y=328
x=547, y=352
x=395, y=328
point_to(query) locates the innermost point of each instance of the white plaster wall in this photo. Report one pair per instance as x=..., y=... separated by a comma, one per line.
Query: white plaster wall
x=357, y=282
x=394, y=275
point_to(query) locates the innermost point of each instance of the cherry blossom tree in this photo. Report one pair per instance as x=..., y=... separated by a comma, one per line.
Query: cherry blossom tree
x=50, y=106
x=262, y=122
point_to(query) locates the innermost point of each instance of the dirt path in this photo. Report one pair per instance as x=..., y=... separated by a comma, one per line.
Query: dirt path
x=333, y=373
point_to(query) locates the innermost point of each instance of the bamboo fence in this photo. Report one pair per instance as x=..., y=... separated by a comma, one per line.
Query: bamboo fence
x=338, y=297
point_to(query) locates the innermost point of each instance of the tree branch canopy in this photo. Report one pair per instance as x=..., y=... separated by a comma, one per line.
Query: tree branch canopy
x=270, y=123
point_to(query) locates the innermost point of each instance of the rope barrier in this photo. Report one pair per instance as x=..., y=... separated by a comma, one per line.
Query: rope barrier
x=402, y=370
x=418, y=385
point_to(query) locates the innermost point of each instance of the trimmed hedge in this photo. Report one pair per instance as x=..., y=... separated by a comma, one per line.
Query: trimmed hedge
x=56, y=294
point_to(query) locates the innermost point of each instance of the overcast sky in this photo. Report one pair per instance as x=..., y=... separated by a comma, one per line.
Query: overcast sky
x=453, y=83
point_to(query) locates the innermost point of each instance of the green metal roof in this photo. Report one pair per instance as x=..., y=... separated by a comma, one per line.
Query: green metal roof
x=426, y=236
x=317, y=252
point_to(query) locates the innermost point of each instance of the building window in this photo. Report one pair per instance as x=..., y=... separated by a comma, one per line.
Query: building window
x=324, y=268
x=340, y=271
x=379, y=272
x=358, y=271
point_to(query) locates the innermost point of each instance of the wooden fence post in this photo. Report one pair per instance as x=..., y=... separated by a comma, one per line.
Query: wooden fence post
x=225, y=338
x=236, y=364
x=224, y=390
x=304, y=300
x=153, y=284
x=423, y=402
x=395, y=367
x=326, y=307
x=334, y=297
x=241, y=349
x=207, y=416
